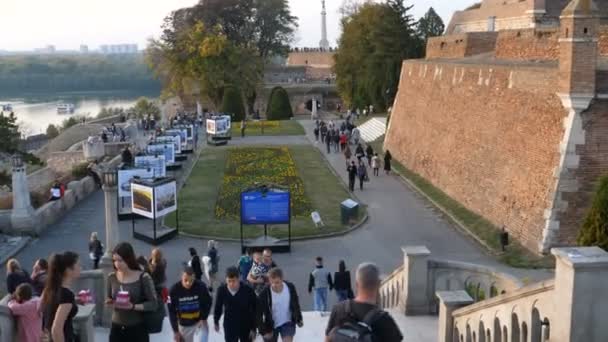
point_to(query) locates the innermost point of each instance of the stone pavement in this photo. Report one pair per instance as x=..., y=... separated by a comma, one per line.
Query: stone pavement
x=398, y=217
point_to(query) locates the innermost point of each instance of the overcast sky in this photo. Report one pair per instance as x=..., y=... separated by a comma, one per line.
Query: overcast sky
x=29, y=24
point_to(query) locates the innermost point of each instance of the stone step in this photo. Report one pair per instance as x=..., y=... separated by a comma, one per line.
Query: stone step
x=373, y=129
x=419, y=329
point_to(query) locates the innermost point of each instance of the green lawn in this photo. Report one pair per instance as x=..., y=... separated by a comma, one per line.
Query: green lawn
x=198, y=198
x=516, y=255
x=270, y=128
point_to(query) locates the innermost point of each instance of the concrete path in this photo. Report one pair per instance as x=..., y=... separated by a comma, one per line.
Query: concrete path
x=398, y=217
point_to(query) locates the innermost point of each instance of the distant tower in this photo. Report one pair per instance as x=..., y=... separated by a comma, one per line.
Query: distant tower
x=324, y=43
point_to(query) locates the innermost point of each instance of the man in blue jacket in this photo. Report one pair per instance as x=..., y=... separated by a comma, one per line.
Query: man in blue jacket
x=189, y=307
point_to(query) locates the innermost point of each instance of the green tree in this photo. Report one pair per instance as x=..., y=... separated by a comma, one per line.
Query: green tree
x=430, y=25
x=375, y=40
x=594, y=231
x=279, y=107
x=52, y=131
x=144, y=107
x=9, y=133
x=232, y=103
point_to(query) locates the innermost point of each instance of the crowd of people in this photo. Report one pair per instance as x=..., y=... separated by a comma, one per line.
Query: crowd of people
x=255, y=298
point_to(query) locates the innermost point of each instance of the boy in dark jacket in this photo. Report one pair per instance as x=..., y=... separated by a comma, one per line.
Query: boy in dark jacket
x=237, y=302
x=286, y=314
x=189, y=307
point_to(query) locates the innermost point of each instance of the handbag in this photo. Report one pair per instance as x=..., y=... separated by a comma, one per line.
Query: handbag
x=153, y=320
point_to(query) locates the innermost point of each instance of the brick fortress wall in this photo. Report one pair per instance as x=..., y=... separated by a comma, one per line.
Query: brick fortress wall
x=313, y=59
x=603, y=42
x=528, y=44
x=487, y=135
x=460, y=45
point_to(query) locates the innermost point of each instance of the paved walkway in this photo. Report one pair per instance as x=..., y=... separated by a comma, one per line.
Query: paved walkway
x=398, y=217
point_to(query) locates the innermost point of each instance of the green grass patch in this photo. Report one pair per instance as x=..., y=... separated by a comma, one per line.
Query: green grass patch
x=515, y=255
x=269, y=128
x=206, y=190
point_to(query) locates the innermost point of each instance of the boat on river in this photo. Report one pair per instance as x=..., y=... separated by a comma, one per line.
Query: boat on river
x=6, y=107
x=65, y=108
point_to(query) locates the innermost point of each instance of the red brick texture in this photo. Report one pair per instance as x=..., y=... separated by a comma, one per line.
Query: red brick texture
x=461, y=45
x=315, y=59
x=603, y=43
x=593, y=164
x=487, y=135
x=528, y=44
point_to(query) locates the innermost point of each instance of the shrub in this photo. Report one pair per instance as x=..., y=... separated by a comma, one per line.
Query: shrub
x=595, y=226
x=52, y=131
x=110, y=111
x=5, y=178
x=232, y=103
x=279, y=107
x=72, y=121
x=80, y=171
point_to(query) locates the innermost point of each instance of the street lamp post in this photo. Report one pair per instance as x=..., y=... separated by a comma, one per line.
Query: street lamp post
x=110, y=191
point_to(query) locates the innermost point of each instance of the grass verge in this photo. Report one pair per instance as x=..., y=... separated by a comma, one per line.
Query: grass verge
x=269, y=128
x=198, y=198
x=515, y=255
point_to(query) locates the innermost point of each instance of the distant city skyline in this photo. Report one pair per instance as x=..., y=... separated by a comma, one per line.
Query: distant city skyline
x=68, y=24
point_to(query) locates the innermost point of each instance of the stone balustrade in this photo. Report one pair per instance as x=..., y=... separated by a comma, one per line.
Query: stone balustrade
x=571, y=307
x=411, y=287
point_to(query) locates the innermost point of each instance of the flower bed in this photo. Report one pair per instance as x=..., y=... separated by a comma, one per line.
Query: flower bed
x=246, y=167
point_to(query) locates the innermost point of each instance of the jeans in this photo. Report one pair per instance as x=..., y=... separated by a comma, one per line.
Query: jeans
x=188, y=334
x=320, y=299
x=122, y=333
x=342, y=295
x=351, y=184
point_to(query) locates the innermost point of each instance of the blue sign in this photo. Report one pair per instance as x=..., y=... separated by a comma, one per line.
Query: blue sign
x=272, y=207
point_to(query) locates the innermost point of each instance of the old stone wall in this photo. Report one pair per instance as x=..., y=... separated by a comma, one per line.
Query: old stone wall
x=487, y=135
x=314, y=59
x=593, y=165
x=528, y=44
x=461, y=45
x=509, y=15
x=64, y=162
x=603, y=43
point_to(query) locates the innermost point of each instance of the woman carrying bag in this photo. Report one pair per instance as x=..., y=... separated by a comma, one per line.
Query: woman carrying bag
x=131, y=292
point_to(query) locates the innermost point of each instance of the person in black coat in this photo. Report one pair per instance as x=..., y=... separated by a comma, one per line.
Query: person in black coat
x=266, y=319
x=352, y=175
x=342, y=283
x=195, y=263
x=15, y=276
x=237, y=302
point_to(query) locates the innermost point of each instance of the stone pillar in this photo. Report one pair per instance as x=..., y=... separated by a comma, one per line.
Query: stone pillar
x=450, y=301
x=110, y=191
x=23, y=215
x=415, y=264
x=581, y=304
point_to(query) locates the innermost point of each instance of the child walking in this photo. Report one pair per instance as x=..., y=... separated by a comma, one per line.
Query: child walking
x=26, y=309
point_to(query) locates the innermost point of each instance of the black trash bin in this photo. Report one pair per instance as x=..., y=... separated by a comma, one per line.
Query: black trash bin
x=349, y=210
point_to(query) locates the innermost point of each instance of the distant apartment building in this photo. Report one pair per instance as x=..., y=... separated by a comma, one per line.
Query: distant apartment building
x=84, y=49
x=46, y=49
x=119, y=49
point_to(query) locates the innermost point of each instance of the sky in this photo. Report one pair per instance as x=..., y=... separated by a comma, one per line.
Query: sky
x=29, y=24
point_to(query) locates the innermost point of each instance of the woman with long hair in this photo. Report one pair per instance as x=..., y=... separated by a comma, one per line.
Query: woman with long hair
x=131, y=292
x=58, y=301
x=15, y=275
x=342, y=283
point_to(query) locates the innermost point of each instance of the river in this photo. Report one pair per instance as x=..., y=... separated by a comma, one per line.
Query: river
x=35, y=111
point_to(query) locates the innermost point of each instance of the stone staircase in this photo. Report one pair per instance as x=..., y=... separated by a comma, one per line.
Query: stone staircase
x=415, y=329
x=373, y=129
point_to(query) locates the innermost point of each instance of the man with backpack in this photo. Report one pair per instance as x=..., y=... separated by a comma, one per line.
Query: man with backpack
x=360, y=320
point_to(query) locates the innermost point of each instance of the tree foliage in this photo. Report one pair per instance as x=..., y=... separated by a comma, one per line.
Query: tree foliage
x=279, y=107
x=232, y=103
x=52, y=131
x=75, y=73
x=144, y=107
x=375, y=41
x=217, y=43
x=9, y=133
x=110, y=111
x=594, y=231
x=430, y=25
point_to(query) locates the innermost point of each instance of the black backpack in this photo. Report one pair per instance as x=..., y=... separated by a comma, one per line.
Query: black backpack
x=353, y=330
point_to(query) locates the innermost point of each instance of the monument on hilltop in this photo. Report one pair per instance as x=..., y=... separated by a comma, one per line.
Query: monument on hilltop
x=324, y=43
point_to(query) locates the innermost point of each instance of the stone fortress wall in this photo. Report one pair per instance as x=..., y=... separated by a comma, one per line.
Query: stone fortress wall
x=498, y=121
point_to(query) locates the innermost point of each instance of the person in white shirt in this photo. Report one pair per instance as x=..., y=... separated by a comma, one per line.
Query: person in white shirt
x=278, y=309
